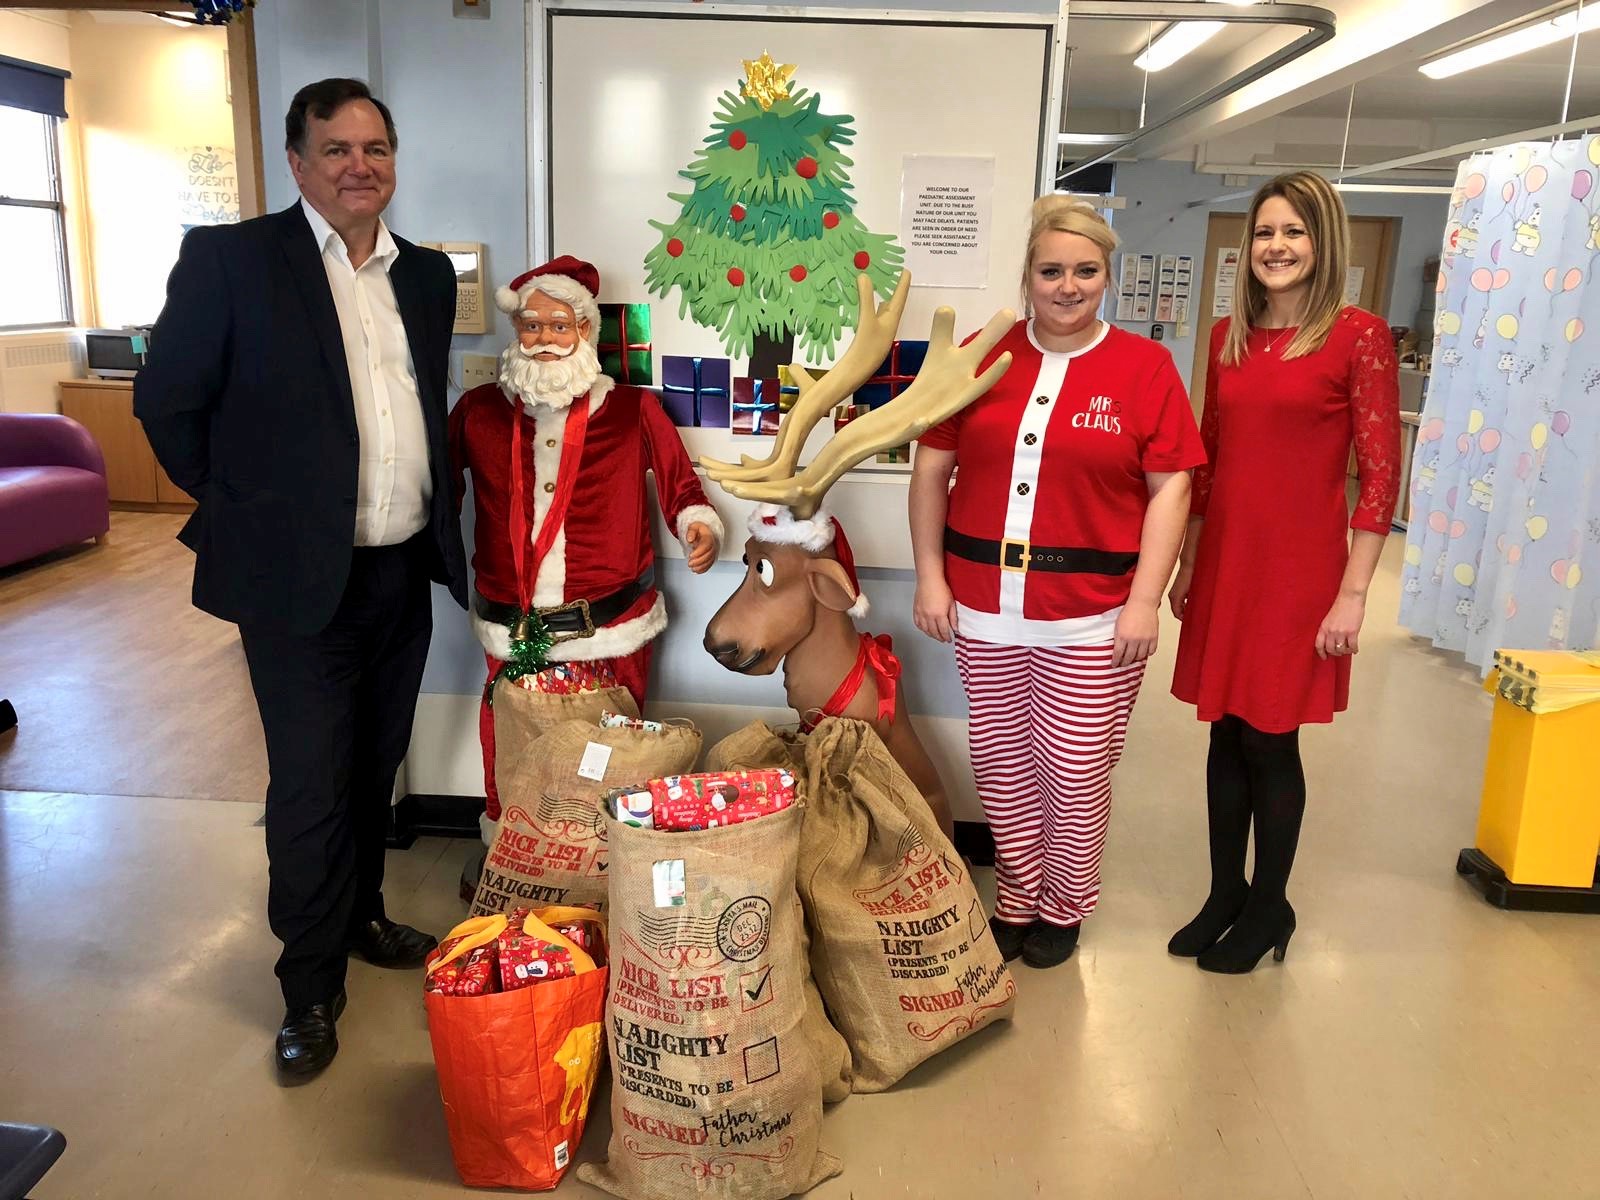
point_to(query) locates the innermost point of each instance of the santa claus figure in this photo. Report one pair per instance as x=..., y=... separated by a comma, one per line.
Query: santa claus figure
x=564, y=569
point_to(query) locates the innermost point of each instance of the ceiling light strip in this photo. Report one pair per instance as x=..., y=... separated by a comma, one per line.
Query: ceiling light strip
x=1317, y=25
x=1459, y=150
x=1509, y=45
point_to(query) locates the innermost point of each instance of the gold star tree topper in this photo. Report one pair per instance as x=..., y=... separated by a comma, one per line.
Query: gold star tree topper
x=766, y=81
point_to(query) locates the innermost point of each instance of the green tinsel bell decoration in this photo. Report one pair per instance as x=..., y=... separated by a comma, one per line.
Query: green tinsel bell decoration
x=530, y=642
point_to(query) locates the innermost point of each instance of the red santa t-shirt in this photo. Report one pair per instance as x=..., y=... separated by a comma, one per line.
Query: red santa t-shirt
x=1056, y=455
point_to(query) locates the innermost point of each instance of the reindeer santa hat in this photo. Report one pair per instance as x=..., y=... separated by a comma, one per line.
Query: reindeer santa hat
x=779, y=526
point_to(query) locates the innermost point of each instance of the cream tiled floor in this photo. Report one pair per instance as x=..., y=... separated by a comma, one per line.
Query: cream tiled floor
x=1417, y=1043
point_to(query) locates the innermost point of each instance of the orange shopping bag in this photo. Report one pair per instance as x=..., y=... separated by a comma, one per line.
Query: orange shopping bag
x=517, y=1069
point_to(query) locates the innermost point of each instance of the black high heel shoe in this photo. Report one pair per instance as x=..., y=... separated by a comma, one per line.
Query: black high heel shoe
x=1242, y=948
x=1215, y=918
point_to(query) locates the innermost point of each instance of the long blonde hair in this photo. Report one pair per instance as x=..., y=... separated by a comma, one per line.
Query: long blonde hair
x=1318, y=205
x=1065, y=214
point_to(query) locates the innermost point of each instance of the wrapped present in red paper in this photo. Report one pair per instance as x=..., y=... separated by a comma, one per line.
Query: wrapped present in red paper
x=580, y=934
x=526, y=959
x=443, y=980
x=446, y=979
x=565, y=678
x=682, y=803
x=477, y=977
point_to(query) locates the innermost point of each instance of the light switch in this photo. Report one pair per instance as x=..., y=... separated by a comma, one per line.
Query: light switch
x=478, y=368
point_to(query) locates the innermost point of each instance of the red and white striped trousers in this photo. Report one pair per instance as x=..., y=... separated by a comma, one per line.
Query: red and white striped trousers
x=1046, y=726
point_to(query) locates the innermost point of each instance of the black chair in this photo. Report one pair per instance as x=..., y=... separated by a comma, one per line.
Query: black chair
x=26, y=1153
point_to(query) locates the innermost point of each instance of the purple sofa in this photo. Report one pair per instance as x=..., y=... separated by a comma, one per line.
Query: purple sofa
x=52, y=485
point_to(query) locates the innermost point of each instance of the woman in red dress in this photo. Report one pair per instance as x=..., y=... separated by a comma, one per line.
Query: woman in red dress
x=1271, y=589
x=1047, y=563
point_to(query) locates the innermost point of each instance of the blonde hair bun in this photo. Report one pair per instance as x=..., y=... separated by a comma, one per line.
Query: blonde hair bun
x=1056, y=213
x=1056, y=207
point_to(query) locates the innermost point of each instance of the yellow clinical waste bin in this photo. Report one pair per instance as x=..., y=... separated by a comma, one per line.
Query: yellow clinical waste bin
x=1539, y=820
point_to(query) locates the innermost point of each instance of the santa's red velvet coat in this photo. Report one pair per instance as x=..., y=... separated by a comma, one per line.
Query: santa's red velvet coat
x=604, y=544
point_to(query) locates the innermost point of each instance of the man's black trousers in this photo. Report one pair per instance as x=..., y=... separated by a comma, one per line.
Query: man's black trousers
x=337, y=708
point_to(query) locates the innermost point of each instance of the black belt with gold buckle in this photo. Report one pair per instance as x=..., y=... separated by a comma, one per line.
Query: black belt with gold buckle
x=575, y=619
x=1018, y=554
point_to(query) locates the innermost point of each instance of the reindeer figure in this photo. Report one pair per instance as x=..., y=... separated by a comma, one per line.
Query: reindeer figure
x=799, y=600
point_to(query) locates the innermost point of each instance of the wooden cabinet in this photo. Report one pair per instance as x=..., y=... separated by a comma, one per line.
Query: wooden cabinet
x=105, y=408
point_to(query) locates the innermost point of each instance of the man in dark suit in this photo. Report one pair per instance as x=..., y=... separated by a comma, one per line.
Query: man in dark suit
x=296, y=389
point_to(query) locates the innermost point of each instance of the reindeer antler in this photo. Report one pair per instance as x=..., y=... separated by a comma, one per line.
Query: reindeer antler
x=874, y=336
x=943, y=387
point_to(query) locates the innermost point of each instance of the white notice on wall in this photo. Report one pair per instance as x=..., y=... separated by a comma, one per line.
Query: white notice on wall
x=1222, y=282
x=945, y=205
x=1354, y=277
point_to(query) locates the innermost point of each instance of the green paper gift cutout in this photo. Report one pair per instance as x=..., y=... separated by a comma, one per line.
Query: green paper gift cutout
x=768, y=241
x=624, y=346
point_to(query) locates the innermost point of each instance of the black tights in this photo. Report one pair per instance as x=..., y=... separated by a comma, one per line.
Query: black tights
x=1256, y=776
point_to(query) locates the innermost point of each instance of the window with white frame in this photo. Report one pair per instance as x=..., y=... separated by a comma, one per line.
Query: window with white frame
x=34, y=287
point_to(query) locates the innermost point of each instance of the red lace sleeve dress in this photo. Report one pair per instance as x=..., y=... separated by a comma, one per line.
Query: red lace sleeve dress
x=1274, y=545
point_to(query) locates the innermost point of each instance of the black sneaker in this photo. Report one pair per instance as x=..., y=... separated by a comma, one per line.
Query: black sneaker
x=1049, y=945
x=1008, y=938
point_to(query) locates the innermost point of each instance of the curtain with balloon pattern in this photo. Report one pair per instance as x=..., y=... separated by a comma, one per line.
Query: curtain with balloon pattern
x=1503, y=538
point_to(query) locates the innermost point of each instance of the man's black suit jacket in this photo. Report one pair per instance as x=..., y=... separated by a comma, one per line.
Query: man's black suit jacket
x=246, y=400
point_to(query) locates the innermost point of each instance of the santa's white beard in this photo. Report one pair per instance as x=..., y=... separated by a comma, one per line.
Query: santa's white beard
x=553, y=384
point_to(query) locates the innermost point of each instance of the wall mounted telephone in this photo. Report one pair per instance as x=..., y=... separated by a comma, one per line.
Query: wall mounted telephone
x=472, y=313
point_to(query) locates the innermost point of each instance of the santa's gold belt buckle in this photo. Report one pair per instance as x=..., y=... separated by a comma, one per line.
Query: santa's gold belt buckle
x=581, y=607
x=1019, y=562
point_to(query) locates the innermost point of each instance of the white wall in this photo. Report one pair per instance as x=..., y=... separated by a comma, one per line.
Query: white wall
x=36, y=37
x=1158, y=221
x=144, y=93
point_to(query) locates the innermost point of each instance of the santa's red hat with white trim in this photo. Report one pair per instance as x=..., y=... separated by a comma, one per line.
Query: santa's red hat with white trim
x=568, y=279
x=776, y=524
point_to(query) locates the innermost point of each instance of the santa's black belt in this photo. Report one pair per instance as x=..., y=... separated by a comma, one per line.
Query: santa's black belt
x=1017, y=554
x=576, y=618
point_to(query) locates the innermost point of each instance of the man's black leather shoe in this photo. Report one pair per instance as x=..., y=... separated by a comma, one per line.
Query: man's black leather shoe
x=385, y=943
x=307, y=1041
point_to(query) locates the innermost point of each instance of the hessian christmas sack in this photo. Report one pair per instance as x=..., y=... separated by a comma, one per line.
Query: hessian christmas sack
x=550, y=847
x=901, y=947
x=755, y=746
x=716, y=1092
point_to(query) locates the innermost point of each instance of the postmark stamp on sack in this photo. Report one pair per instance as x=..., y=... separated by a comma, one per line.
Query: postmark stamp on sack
x=744, y=927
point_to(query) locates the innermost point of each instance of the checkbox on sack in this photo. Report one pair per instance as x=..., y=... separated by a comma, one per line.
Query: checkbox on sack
x=755, y=989
x=761, y=1061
